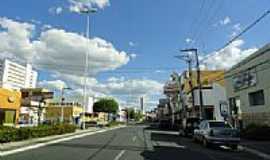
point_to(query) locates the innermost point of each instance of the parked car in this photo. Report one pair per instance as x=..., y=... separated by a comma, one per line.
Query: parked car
x=187, y=126
x=211, y=132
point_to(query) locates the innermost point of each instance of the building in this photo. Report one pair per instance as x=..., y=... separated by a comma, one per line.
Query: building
x=172, y=89
x=248, y=89
x=71, y=112
x=213, y=94
x=33, y=104
x=10, y=102
x=16, y=76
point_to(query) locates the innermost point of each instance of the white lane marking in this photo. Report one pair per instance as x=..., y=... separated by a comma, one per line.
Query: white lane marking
x=134, y=138
x=119, y=155
x=169, y=144
x=5, y=153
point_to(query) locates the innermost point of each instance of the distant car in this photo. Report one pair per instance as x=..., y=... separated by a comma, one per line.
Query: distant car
x=211, y=132
x=187, y=127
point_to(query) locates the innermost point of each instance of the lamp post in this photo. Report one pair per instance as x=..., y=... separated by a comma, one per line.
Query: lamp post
x=87, y=11
x=62, y=102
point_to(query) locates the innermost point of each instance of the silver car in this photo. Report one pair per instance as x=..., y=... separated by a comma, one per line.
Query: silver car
x=219, y=133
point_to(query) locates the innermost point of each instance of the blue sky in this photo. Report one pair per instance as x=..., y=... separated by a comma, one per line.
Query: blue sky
x=154, y=30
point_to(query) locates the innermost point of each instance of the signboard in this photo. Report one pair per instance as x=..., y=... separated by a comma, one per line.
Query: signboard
x=244, y=80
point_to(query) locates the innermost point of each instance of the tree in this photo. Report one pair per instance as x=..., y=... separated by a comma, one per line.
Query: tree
x=108, y=105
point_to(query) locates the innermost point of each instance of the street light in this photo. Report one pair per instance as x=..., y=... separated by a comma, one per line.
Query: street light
x=62, y=102
x=87, y=11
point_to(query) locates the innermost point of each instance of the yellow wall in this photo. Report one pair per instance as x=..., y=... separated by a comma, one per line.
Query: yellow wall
x=10, y=100
x=54, y=112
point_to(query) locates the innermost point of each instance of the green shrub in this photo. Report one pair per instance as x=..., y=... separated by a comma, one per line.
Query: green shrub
x=256, y=132
x=9, y=134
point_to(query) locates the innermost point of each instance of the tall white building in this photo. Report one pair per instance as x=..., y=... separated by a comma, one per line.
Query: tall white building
x=17, y=76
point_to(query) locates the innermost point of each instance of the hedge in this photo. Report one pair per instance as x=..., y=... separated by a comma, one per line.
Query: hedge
x=256, y=132
x=10, y=134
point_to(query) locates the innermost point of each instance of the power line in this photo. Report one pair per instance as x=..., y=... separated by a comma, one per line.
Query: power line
x=266, y=13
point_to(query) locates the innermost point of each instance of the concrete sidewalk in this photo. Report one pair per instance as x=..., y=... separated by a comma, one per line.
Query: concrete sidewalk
x=26, y=143
x=260, y=148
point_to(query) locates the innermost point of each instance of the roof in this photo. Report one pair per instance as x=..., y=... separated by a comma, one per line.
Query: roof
x=208, y=77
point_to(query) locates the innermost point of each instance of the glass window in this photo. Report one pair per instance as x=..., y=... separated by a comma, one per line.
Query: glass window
x=256, y=98
x=219, y=125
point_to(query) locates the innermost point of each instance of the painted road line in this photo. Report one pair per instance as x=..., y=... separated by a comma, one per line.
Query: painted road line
x=5, y=153
x=120, y=155
x=134, y=138
x=169, y=144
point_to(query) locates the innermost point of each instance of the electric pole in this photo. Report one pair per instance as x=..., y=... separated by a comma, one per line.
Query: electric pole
x=195, y=51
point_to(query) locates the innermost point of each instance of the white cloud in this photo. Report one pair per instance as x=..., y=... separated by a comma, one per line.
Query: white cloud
x=189, y=40
x=116, y=79
x=225, y=21
x=53, y=85
x=58, y=10
x=133, y=55
x=58, y=50
x=15, y=38
x=77, y=5
x=228, y=56
x=236, y=30
x=55, y=10
x=131, y=44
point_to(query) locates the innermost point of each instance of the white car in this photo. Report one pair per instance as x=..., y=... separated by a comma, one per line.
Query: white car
x=212, y=132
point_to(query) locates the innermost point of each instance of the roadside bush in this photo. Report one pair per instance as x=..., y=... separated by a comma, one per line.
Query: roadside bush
x=9, y=134
x=256, y=132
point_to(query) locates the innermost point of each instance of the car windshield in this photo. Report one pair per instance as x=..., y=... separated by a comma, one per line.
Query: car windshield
x=219, y=125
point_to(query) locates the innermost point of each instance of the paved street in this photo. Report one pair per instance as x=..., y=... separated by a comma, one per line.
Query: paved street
x=130, y=143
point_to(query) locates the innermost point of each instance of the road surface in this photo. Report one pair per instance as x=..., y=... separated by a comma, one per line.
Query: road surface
x=130, y=143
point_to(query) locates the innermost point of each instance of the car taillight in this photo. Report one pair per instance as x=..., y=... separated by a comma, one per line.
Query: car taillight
x=211, y=133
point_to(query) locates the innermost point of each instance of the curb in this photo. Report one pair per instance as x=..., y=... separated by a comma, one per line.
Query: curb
x=256, y=152
x=54, y=141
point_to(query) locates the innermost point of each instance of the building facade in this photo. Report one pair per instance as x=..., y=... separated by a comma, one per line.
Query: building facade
x=71, y=112
x=248, y=89
x=214, y=98
x=10, y=102
x=17, y=76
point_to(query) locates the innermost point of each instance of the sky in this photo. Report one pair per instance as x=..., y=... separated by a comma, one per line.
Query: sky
x=132, y=42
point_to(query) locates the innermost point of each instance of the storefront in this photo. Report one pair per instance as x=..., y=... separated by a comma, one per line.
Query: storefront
x=9, y=107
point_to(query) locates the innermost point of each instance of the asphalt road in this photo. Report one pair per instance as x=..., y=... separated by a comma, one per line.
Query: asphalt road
x=130, y=143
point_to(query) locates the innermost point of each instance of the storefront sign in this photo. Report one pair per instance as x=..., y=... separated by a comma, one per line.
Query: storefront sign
x=244, y=80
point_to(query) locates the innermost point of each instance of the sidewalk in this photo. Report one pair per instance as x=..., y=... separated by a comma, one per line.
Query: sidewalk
x=260, y=148
x=26, y=143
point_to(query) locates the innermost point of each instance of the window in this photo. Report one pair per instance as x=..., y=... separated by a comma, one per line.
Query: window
x=219, y=125
x=256, y=98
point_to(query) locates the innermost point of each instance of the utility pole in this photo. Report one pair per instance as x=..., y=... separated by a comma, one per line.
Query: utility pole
x=62, y=102
x=188, y=60
x=195, y=50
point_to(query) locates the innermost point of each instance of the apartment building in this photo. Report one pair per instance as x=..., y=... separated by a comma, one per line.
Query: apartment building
x=17, y=76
